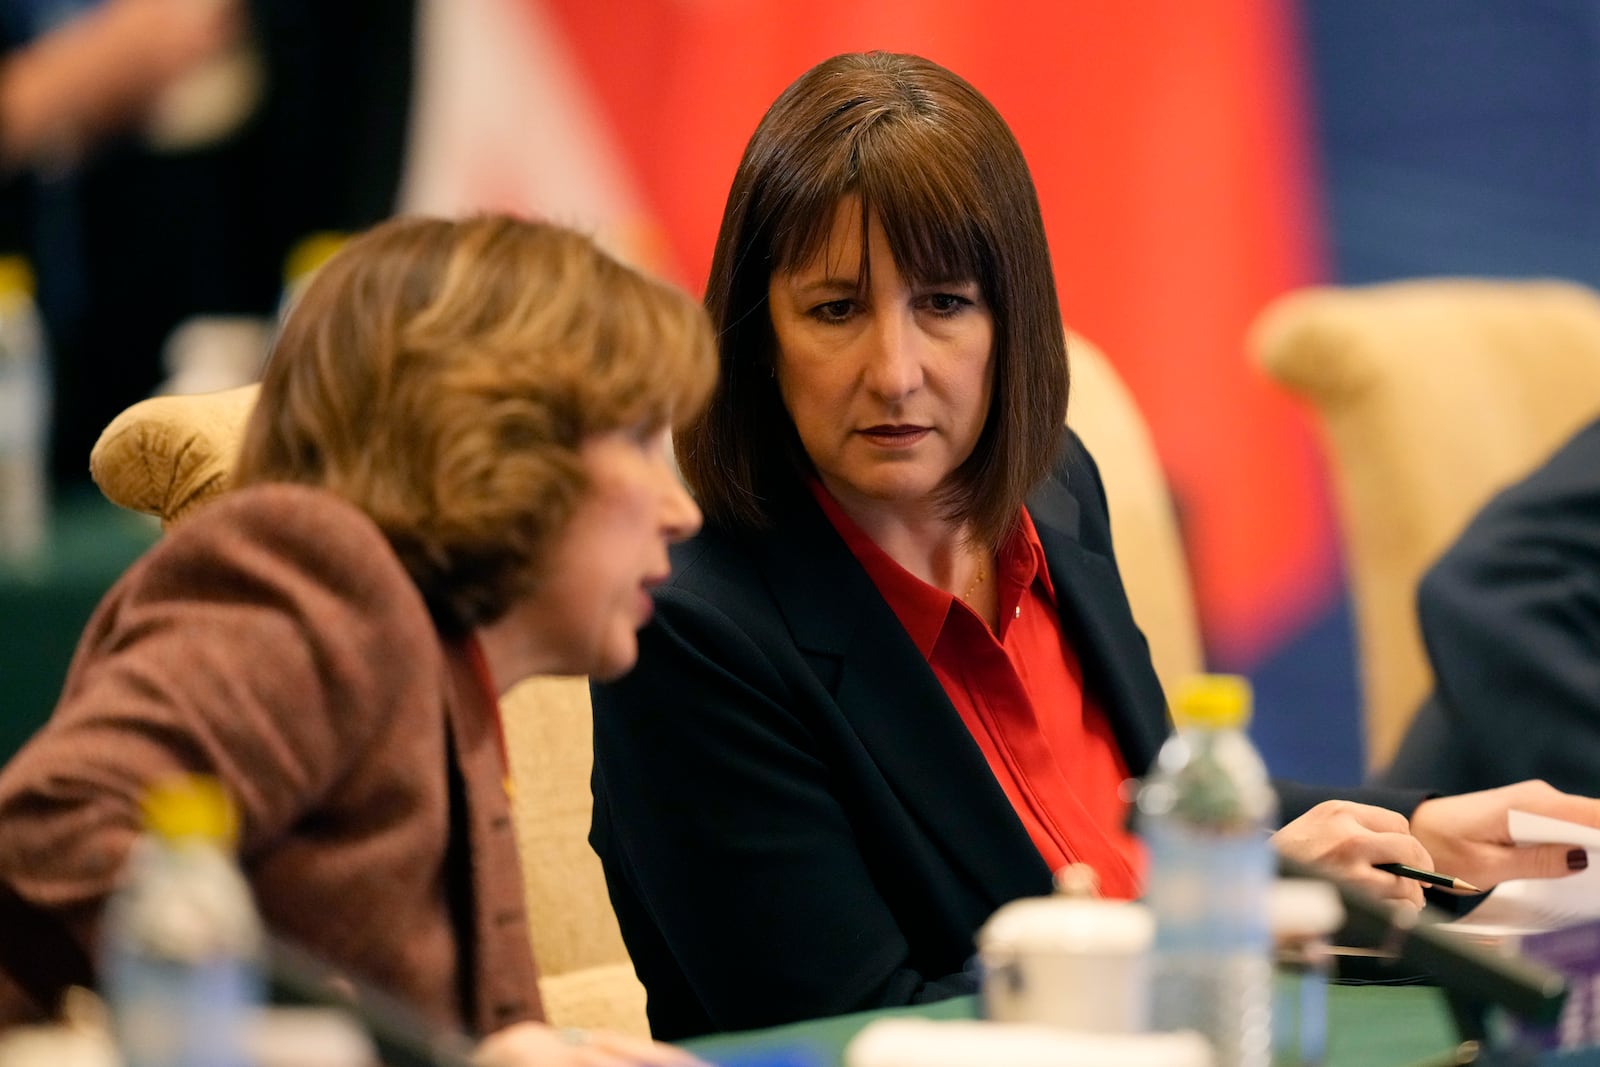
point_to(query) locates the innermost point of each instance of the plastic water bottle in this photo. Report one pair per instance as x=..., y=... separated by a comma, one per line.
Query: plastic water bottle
x=304, y=258
x=1204, y=811
x=24, y=416
x=1304, y=914
x=182, y=938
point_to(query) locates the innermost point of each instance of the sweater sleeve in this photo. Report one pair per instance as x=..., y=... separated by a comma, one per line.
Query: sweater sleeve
x=257, y=643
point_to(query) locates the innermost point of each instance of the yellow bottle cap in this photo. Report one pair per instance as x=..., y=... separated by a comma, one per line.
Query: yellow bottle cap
x=1212, y=701
x=309, y=253
x=192, y=805
x=16, y=276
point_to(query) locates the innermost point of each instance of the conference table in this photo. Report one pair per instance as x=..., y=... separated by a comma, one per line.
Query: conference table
x=1368, y=1026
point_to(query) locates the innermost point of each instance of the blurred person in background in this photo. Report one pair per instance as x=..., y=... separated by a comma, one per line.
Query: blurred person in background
x=1510, y=617
x=456, y=475
x=896, y=682
x=100, y=72
x=136, y=226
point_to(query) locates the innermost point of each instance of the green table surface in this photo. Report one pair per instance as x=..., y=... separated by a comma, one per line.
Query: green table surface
x=45, y=602
x=1368, y=1026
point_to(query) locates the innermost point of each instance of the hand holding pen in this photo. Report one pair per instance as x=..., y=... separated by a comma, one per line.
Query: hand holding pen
x=1444, y=881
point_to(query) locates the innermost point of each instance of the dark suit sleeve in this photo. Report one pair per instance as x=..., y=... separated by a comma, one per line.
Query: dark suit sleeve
x=739, y=881
x=1433, y=751
x=1510, y=616
x=1297, y=798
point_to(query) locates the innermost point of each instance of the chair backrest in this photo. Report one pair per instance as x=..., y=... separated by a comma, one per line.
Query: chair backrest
x=168, y=455
x=1143, y=524
x=586, y=976
x=1431, y=395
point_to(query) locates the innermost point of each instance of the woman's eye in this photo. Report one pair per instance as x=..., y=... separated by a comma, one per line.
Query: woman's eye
x=651, y=437
x=833, y=310
x=947, y=303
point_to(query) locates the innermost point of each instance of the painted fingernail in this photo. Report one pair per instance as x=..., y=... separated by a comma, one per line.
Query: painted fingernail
x=1577, y=859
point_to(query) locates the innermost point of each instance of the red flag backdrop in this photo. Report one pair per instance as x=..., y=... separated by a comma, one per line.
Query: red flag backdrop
x=1168, y=143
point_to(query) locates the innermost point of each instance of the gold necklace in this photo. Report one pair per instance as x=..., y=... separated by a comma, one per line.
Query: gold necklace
x=973, y=588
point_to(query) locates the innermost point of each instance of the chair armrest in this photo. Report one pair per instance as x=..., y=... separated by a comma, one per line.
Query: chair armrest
x=168, y=455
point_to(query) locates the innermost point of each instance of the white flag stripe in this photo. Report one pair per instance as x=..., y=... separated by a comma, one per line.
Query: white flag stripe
x=503, y=120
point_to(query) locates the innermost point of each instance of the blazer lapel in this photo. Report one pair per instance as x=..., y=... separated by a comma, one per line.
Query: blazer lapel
x=892, y=700
x=1096, y=617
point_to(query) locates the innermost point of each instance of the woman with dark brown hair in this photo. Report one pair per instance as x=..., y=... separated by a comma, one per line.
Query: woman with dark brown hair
x=895, y=682
x=456, y=476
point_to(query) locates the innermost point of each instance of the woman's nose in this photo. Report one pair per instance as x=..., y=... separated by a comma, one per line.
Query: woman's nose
x=680, y=515
x=894, y=363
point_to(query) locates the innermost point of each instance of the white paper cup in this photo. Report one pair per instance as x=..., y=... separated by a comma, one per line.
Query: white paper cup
x=907, y=1042
x=1067, y=962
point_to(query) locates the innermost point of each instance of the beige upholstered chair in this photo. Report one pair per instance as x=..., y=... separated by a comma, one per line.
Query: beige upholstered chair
x=1149, y=550
x=585, y=974
x=168, y=455
x=1431, y=395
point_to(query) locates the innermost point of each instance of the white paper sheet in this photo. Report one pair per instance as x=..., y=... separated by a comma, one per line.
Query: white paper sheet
x=1530, y=905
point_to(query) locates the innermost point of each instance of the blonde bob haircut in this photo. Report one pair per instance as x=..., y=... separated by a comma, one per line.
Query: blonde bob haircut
x=442, y=375
x=927, y=156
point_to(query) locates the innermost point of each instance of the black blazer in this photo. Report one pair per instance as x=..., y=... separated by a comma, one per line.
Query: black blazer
x=793, y=819
x=1510, y=615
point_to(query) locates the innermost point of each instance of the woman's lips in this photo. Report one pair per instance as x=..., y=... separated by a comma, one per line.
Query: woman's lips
x=895, y=436
x=646, y=599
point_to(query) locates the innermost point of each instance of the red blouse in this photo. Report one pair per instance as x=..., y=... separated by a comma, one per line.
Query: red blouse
x=1020, y=693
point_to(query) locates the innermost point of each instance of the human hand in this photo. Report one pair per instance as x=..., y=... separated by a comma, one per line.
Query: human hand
x=1343, y=840
x=538, y=1045
x=102, y=70
x=152, y=42
x=1470, y=838
x=144, y=45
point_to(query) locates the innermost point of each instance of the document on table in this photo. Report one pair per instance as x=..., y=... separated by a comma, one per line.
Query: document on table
x=1531, y=905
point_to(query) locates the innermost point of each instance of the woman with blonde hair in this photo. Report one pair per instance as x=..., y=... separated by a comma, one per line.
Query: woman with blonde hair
x=457, y=475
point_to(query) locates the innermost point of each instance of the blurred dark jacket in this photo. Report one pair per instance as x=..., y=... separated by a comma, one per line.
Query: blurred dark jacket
x=1510, y=615
x=132, y=242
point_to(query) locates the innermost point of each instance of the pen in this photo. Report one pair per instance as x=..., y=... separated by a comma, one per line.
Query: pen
x=1431, y=877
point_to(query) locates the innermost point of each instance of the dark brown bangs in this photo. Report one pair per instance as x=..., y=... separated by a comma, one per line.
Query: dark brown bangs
x=929, y=206
x=802, y=216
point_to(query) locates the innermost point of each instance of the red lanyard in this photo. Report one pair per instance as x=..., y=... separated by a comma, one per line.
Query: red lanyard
x=480, y=669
